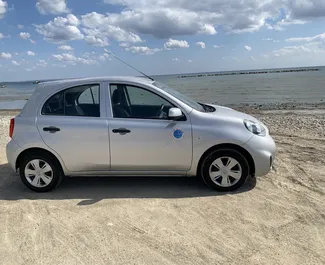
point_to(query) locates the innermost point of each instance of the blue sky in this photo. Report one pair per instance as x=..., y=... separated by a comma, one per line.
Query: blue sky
x=72, y=38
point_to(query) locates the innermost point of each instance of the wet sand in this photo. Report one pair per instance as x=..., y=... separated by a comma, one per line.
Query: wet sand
x=276, y=219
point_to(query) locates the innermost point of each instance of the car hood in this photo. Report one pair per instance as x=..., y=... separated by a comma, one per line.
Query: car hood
x=231, y=113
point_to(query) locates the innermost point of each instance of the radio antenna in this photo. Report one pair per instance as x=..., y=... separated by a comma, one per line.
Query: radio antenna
x=129, y=65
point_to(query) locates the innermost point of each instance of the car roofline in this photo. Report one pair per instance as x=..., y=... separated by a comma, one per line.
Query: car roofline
x=138, y=79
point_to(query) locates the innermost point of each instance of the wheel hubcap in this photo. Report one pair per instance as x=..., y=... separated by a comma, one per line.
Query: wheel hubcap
x=38, y=173
x=225, y=171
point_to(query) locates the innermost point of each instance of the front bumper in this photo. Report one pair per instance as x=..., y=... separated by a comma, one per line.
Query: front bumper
x=12, y=152
x=262, y=150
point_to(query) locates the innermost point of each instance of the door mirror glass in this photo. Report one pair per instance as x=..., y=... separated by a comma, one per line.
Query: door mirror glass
x=175, y=113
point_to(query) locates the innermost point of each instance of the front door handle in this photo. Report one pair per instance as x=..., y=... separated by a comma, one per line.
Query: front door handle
x=51, y=129
x=121, y=130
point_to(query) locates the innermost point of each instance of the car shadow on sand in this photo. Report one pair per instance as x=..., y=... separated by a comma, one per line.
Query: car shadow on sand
x=94, y=189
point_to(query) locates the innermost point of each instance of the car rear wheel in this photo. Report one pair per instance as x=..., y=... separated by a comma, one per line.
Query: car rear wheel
x=225, y=170
x=40, y=172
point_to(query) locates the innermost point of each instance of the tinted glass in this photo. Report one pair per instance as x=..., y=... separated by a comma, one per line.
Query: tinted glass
x=190, y=102
x=139, y=96
x=75, y=101
x=89, y=96
x=138, y=103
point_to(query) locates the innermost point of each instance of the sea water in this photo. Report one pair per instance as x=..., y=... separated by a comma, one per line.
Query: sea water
x=307, y=87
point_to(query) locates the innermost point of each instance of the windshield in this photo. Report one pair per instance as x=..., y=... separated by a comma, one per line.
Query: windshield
x=192, y=103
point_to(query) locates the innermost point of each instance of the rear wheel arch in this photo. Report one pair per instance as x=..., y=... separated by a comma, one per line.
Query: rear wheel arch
x=235, y=147
x=37, y=151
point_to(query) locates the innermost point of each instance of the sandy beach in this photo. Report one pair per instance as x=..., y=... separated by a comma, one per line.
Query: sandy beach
x=276, y=219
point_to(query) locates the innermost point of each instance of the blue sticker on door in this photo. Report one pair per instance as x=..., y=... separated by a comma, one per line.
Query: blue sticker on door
x=178, y=134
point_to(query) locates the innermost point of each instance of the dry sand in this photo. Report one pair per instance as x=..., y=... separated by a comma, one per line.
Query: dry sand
x=277, y=219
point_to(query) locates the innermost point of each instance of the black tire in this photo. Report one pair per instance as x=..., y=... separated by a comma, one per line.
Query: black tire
x=210, y=158
x=56, y=169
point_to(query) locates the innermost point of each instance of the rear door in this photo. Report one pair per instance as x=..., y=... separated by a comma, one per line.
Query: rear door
x=73, y=123
x=142, y=138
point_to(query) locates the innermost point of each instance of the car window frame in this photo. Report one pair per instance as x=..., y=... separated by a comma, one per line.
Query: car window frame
x=171, y=102
x=41, y=106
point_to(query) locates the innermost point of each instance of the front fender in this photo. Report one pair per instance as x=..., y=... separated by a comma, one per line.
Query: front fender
x=207, y=136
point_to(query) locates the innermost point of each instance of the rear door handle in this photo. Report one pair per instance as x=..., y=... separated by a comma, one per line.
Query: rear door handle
x=51, y=129
x=121, y=130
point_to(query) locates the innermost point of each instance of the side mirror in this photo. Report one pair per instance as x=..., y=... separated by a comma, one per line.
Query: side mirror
x=175, y=113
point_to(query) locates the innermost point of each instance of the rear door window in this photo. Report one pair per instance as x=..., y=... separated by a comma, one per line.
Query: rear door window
x=75, y=101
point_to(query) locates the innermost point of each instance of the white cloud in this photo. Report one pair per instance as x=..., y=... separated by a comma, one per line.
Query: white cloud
x=24, y=35
x=306, y=9
x=32, y=41
x=142, y=50
x=252, y=58
x=101, y=27
x=3, y=8
x=65, y=48
x=30, y=53
x=162, y=18
x=288, y=21
x=248, y=48
x=175, y=59
x=319, y=37
x=208, y=29
x=4, y=55
x=159, y=22
x=96, y=38
x=102, y=58
x=163, y=21
x=15, y=63
x=312, y=47
x=201, y=44
x=65, y=57
x=73, y=60
x=217, y=46
x=105, y=56
x=270, y=39
x=124, y=44
x=1, y=36
x=172, y=44
x=73, y=20
x=87, y=61
x=20, y=26
x=42, y=63
x=190, y=61
x=54, y=7
x=60, y=29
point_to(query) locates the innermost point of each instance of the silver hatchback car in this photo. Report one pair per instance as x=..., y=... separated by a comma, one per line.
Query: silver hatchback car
x=132, y=126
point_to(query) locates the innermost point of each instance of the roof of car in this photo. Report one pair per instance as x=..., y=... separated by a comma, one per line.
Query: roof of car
x=98, y=79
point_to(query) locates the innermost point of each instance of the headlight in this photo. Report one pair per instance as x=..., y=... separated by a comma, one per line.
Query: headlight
x=255, y=128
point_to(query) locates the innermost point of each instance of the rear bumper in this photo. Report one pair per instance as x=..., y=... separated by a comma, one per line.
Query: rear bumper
x=263, y=150
x=12, y=152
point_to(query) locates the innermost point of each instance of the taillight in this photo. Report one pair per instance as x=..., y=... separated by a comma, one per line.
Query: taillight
x=11, y=128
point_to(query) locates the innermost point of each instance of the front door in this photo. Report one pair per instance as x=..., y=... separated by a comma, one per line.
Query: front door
x=71, y=124
x=142, y=138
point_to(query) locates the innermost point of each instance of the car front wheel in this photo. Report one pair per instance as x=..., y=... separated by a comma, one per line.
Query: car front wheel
x=225, y=170
x=40, y=172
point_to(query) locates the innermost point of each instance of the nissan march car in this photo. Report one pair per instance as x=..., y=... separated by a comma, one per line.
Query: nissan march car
x=133, y=126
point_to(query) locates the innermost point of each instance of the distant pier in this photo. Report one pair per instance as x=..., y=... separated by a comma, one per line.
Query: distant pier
x=251, y=72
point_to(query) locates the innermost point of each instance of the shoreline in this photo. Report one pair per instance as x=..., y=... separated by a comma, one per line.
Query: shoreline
x=241, y=107
x=250, y=72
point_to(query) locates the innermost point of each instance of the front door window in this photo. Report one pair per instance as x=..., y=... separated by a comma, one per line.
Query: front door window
x=138, y=103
